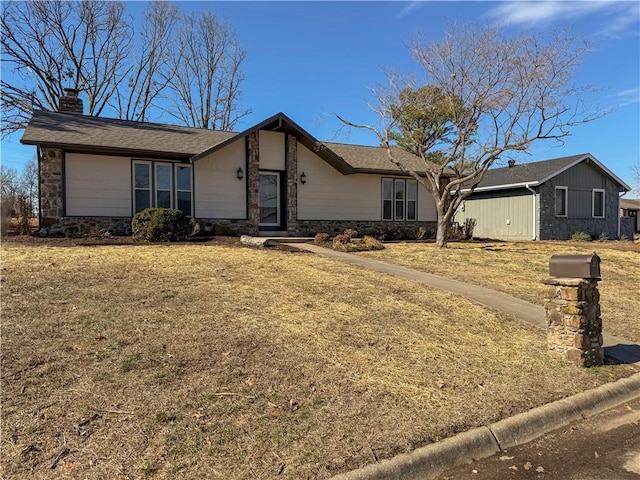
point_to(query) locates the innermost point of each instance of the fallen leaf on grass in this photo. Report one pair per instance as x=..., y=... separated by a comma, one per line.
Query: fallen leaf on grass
x=226, y=354
x=513, y=467
x=540, y=469
x=527, y=466
x=505, y=458
x=440, y=383
x=595, y=454
x=275, y=412
x=249, y=381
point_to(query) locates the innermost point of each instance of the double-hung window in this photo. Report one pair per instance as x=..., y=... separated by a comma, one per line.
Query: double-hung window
x=163, y=185
x=597, y=202
x=399, y=199
x=561, y=201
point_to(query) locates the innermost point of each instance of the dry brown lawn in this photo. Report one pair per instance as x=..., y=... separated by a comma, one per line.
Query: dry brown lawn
x=209, y=361
x=518, y=268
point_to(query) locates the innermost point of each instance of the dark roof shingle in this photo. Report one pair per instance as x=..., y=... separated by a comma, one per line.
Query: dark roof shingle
x=69, y=130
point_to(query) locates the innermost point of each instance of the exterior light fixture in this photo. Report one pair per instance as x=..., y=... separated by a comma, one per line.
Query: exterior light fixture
x=240, y=173
x=303, y=178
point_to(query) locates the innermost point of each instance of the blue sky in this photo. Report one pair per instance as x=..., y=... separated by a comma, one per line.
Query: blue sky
x=312, y=60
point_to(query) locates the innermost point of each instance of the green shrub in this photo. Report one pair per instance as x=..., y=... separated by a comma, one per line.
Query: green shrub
x=581, y=237
x=602, y=237
x=161, y=225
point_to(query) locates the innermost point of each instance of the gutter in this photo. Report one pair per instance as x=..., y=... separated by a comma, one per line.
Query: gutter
x=533, y=212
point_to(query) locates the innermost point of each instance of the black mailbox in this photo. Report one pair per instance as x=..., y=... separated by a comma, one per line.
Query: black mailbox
x=575, y=266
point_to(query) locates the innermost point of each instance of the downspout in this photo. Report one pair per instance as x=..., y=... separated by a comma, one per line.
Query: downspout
x=533, y=211
x=619, y=213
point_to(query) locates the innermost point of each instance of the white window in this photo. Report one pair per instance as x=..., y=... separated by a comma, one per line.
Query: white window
x=597, y=202
x=162, y=185
x=399, y=199
x=561, y=201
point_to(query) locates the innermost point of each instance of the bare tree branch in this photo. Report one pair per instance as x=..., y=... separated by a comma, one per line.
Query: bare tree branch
x=205, y=76
x=485, y=96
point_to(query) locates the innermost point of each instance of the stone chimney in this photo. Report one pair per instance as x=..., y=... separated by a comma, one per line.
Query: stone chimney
x=70, y=102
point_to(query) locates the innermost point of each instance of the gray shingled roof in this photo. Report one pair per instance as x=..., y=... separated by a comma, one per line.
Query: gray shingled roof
x=535, y=173
x=363, y=157
x=106, y=134
x=532, y=173
x=97, y=133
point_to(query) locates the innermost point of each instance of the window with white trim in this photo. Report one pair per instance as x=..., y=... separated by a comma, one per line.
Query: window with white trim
x=561, y=199
x=597, y=202
x=399, y=199
x=162, y=184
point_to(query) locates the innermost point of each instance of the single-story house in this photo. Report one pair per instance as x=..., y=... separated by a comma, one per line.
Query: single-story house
x=630, y=208
x=547, y=200
x=272, y=179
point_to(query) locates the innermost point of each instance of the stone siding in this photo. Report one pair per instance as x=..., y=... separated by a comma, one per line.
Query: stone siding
x=291, y=164
x=83, y=226
x=51, y=166
x=574, y=325
x=383, y=230
x=561, y=228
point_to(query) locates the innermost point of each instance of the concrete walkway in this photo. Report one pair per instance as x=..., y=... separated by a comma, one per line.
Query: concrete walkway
x=617, y=349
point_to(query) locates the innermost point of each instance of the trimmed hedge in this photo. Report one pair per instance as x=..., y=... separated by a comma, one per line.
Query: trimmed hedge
x=161, y=225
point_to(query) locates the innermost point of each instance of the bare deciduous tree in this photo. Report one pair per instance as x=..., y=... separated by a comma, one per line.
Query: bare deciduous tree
x=148, y=75
x=205, y=77
x=489, y=96
x=635, y=172
x=89, y=46
x=51, y=45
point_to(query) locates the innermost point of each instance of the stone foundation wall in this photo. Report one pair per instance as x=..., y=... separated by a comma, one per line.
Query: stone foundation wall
x=82, y=226
x=574, y=325
x=383, y=230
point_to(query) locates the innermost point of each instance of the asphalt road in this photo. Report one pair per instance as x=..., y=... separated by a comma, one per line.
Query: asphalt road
x=603, y=447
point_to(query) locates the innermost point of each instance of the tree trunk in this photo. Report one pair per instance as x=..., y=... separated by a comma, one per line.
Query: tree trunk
x=441, y=232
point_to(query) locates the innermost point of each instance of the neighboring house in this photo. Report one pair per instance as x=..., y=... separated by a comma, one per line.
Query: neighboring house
x=547, y=200
x=274, y=178
x=630, y=208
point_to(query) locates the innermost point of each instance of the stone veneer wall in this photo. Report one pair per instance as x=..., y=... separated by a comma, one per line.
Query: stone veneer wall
x=82, y=226
x=291, y=165
x=253, y=183
x=384, y=230
x=561, y=228
x=574, y=325
x=51, y=172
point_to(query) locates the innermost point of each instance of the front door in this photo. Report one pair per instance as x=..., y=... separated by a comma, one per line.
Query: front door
x=270, y=201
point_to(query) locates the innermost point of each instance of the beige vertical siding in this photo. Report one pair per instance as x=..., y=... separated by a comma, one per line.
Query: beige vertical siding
x=271, y=150
x=492, y=214
x=217, y=191
x=329, y=195
x=97, y=185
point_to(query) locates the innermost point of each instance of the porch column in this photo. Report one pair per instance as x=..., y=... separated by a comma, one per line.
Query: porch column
x=253, y=182
x=291, y=165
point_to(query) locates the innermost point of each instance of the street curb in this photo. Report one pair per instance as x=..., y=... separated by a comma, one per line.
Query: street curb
x=432, y=460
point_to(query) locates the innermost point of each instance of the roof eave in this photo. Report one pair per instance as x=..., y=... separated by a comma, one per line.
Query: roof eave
x=534, y=183
x=96, y=149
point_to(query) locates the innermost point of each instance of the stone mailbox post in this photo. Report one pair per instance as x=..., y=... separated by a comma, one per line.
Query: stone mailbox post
x=572, y=308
